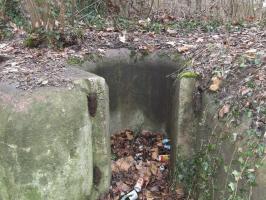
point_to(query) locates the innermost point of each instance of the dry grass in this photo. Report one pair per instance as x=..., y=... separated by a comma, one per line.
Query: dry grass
x=224, y=10
x=41, y=13
x=233, y=10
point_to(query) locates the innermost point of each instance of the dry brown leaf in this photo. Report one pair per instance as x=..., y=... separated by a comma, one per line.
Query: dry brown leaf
x=124, y=164
x=148, y=48
x=153, y=168
x=114, y=167
x=171, y=31
x=122, y=38
x=245, y=90
x=216, y=84
x=149, y=195
x=129, y=135
x=155, y=153
x=184, y=48
x=224, y=110
x=110, y=29
x=155, y=188
x=122, y=186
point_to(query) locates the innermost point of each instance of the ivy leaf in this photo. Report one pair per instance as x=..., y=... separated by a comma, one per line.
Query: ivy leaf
x=237, y=175
x=232, y=186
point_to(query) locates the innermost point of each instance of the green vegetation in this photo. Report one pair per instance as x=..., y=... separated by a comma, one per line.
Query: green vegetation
x=199, y=173
x=75, y=60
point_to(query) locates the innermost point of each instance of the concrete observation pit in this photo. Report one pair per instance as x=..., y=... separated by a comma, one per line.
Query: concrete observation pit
x=55, y=141
x=140, y=94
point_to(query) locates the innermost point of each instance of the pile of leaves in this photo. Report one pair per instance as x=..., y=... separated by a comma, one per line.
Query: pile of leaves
x=136, y=156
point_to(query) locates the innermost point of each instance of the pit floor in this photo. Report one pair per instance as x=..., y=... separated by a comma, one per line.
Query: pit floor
x=137, y=156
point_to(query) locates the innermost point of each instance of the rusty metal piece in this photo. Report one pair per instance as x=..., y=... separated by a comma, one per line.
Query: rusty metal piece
x=92, y=104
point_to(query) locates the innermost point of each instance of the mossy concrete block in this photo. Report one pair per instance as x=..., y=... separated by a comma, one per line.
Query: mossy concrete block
x=51, y=147
x=45, y=145
x=182, y=123
x=100, y=135
x=259, y=192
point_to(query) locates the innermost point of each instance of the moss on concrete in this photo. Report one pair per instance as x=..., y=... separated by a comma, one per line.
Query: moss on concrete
x=45, y=145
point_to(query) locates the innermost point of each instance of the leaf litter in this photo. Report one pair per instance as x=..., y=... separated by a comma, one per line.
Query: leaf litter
x=136, y=156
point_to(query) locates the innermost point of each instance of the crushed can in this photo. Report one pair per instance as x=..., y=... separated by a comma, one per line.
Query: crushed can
x=162, y=168
x=163, y=158
x=165, y=141
x=138, y=156
x=167, y=146
x=139, y=184
x=132, y=195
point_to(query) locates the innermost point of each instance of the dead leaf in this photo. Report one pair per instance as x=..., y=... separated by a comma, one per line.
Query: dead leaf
x=245, y=90
x=153, y=168
x=144, y=22
x=155, y=188
x=155, y=153
x=125, y=163
x=184, y=48
x=216, y=84
x=199, y=40
x=147, y=48
x=171, y=31
x=149, y=195
x=129, y=135
x=122, y=38
x=224, y=110
x=44, y=82
x=110, y=29
x=172, y=43
x=114, y=167
x=122, y=186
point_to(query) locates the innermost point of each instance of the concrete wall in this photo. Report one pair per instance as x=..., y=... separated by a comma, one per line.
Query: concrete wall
x=55, y=142
x=140, y=95
x=50, y=145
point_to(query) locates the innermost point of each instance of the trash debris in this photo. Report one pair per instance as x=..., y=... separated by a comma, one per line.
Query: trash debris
x=162, y=168
x=132, y=195
x=163, y=158
x=140, y=167
x=166, y=141
x=167, y=146
x=139, y=184
x=138, y=156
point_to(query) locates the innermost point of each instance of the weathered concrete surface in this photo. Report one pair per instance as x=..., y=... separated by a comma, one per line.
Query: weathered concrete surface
x=100, y=135
x=259, y=192
x=54, y=142
x=182, y=125
x=49, y=143
x=194, y=121
x=140, y=93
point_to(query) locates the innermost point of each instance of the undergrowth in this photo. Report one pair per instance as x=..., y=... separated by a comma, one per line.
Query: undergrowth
x=201, y=173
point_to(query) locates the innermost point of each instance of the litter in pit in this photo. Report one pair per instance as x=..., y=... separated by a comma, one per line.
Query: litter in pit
x=140, y=168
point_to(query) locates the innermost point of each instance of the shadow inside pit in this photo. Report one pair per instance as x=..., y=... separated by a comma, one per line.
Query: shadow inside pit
x=140, y=94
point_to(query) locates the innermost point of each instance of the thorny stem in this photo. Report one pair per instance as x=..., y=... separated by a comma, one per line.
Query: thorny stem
x=237, y=181
x=250, y=193
x=229, y=167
